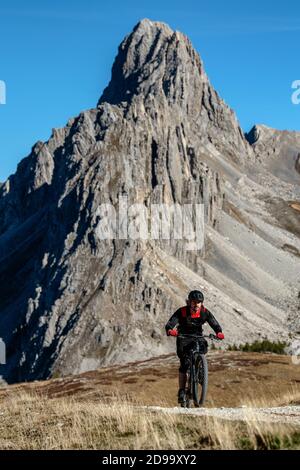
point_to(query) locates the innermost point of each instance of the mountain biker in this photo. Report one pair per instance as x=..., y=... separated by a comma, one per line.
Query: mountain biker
x=189, y=320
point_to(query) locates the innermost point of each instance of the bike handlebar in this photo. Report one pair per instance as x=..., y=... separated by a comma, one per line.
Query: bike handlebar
x=210, y=336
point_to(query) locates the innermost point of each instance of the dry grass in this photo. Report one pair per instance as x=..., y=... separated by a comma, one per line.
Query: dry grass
x=267, y=435
x=33, y=421
x=289, y=397
x=101, y=409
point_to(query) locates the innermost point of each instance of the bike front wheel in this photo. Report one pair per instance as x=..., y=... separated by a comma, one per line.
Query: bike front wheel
x=200, y=380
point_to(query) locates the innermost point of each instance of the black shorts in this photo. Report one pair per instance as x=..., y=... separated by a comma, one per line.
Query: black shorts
x=184, y=346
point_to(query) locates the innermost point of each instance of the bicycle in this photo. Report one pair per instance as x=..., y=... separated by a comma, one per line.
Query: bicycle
x=197, y=374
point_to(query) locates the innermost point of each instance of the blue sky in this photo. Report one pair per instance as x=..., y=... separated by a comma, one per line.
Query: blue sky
x=56, y=58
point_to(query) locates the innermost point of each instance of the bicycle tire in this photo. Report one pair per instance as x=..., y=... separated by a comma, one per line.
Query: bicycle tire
x=203, y=378
x=195, y=386
x=200, y=380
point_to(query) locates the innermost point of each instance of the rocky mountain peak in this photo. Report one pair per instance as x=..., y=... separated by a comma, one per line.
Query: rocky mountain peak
x=279, y=150
x=145, y=60
x=157, y=67
x=259, y=132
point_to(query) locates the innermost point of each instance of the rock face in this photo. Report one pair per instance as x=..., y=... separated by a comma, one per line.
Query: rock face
x=71, y=301
x=277, y=151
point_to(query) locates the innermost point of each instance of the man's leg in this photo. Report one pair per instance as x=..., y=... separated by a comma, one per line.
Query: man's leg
x=182, y=379
x=182, y=370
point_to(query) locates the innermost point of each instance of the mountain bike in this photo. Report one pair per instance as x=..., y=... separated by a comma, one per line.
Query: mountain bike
x=197, y=373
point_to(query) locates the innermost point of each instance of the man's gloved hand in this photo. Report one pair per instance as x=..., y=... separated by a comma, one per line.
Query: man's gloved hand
x=220, y=335
x=172, y=332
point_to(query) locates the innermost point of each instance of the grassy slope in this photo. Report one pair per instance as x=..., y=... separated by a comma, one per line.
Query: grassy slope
x=97, y=409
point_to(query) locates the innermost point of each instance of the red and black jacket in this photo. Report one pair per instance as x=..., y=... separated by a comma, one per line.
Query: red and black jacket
x=188, y=322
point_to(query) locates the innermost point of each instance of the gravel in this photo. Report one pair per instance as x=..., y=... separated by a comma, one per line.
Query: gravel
x=282, y=414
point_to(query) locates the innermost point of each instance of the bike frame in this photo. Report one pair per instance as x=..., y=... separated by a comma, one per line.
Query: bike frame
x=193, y=370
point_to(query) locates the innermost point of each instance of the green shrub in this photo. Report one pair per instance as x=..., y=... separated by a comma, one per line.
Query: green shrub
x=270, y=441
x=260, y=346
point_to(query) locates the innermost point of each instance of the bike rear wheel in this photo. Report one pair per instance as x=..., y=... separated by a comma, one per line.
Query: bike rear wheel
x=199, y=380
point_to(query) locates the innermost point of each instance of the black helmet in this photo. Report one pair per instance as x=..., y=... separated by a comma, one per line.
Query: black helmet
x=196, y=295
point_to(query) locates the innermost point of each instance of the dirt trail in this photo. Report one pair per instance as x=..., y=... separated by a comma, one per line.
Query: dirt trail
x=280, y=414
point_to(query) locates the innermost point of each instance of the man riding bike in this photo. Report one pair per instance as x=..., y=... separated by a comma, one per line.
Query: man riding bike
x=188, y=320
